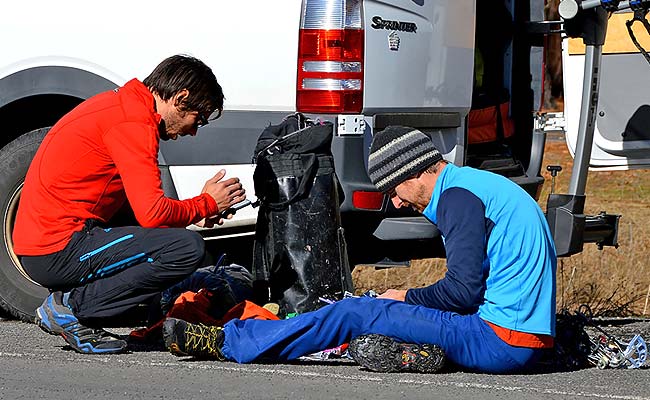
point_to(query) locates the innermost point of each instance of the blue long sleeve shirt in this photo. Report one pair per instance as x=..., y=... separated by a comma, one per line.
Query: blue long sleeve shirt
x=501, y=258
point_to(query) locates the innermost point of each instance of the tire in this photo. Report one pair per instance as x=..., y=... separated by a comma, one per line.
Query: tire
x=19, y=295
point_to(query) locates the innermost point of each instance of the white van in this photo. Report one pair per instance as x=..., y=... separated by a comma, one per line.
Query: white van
x=466, y=72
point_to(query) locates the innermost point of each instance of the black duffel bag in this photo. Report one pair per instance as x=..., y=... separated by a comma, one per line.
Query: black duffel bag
x=300, y=252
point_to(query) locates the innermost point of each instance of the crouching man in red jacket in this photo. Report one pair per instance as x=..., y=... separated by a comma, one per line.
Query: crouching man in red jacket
x=95, y=159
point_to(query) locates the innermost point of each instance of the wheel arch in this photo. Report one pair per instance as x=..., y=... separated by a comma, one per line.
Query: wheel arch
x=37, y=97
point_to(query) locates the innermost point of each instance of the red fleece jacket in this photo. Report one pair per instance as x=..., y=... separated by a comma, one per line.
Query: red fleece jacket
x=102, y=153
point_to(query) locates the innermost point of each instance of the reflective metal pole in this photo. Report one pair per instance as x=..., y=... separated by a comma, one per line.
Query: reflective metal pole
x=588, y=108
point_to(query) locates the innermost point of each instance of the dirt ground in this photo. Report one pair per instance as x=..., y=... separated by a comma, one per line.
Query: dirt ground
x=614, y=282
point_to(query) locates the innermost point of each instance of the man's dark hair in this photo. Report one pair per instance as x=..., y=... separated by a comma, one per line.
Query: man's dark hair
x=185, y=72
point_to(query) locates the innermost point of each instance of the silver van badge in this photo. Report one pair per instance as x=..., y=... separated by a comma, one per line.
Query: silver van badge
x=393, y=41
x=380, y=23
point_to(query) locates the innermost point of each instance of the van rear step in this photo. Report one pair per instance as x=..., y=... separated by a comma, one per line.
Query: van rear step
x=505, y=166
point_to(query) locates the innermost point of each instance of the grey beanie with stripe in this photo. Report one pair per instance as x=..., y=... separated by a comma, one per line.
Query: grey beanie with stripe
x=397, y=153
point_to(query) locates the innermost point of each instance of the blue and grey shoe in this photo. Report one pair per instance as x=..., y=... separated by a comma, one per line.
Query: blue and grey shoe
x=56, y=318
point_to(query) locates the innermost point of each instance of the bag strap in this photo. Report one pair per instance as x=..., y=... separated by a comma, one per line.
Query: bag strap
x=274, y=146
x=309, y=166
x=639, y=15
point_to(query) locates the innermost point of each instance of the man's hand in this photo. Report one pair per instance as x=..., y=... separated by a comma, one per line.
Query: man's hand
x=210, y=222
x=225, y=193
x=393, y=294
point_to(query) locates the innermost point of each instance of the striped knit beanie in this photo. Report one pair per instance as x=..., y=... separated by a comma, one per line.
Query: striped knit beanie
x=397, y=153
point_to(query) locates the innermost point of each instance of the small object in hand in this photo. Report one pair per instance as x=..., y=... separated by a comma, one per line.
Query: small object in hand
x=235, y=207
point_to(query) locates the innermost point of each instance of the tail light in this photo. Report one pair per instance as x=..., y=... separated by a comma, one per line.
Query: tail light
x=367, y=200
x=330, y=57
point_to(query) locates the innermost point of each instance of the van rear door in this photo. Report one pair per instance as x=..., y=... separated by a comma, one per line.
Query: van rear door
x=622, y=132
x=419, y=55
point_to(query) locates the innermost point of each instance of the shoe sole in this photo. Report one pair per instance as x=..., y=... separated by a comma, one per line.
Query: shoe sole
x=170, y=343
x=87, y=348
x=42, y=320
x=428, y=358
x=175, y=350
x=380, y=353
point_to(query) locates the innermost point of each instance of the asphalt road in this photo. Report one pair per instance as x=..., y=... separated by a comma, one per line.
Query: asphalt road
x=34, y=365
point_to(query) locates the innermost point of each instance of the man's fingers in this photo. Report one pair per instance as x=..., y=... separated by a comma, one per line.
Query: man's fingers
x=231, y=182
x=238, y=195
x=218, y=176
x=212, y=221
x=393, y=294
x=229, y=186
x=235, y=196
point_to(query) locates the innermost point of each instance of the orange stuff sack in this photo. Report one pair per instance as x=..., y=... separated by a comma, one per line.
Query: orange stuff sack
x=483, y=124
x=193, y=307
x=189, y=306
x=248, y=310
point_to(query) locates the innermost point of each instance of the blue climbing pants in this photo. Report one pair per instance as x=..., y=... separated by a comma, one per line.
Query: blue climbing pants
x=466, y=339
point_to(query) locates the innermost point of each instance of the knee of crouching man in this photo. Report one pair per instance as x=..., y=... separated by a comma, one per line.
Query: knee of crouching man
x=193, y=247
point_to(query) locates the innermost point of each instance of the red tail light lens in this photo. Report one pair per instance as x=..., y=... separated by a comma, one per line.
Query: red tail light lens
x=367, y=200
x=335, y=44
x=330, y=71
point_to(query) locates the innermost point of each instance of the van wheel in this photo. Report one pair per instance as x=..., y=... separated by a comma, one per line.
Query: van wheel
x=19, y=295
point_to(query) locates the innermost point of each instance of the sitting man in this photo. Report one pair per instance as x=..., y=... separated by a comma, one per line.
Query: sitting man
x=494, y=311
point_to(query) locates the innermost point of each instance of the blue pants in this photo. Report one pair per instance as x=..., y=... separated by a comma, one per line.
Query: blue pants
x=466, y=339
